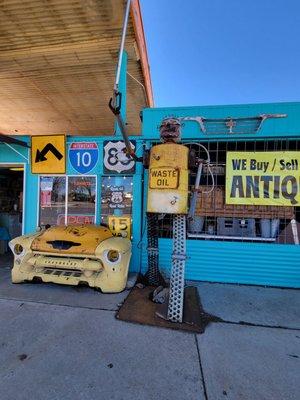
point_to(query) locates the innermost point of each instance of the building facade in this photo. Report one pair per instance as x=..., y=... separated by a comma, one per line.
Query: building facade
x=246, y=243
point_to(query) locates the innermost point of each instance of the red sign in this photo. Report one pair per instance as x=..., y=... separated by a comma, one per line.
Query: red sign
x=45, y=198
x=83, y=145
x=76, y=219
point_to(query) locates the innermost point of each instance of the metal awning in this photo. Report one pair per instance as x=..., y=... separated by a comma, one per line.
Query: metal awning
x=58, y=62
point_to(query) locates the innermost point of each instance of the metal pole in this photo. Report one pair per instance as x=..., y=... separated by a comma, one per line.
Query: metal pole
x=295, y=231
x=116, y=86
x=16, y=151
x=195, y=193
x=113, y=103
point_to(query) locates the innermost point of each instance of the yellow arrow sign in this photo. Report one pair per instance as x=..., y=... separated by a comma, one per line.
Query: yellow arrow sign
x=48, y=154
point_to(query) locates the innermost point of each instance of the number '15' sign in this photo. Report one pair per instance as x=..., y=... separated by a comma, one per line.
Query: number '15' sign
x=120, y=226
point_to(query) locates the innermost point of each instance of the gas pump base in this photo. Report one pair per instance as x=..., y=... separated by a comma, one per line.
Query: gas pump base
x=137, y=308
x=191, y=308
x=73, y=255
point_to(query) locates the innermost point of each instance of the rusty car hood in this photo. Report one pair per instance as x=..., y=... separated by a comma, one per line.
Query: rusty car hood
x=71, y=239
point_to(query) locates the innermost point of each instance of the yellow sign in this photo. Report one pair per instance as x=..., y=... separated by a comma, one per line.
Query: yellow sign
x=163, y=178
x=120, y=226
x=48, y=154
x=263, y=178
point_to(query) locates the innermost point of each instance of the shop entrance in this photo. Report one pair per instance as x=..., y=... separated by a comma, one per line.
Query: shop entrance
x=11, y=203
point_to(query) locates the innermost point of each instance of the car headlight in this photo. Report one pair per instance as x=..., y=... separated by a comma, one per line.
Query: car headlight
x=113, y=256
x=18, y=249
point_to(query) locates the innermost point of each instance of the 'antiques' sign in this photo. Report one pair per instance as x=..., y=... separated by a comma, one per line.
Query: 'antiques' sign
x=263, y=178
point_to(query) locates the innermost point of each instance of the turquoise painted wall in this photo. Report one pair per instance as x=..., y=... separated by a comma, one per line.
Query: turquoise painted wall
x=221, y=261
x=235, y=262
x=271, y=128
x=7, y=155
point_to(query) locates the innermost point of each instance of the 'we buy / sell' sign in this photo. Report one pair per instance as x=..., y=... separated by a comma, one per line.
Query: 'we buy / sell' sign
x=263, y=178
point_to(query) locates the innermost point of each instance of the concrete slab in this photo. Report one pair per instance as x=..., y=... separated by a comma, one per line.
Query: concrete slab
x=242, y=362
x=58, y=294
x=57, y=352
x=252, y=304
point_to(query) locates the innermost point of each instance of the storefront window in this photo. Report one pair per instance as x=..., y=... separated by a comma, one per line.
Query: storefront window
x=116, y=204
x=276, y=219
x=68, y=200
x=52, y=200
x=81, y=200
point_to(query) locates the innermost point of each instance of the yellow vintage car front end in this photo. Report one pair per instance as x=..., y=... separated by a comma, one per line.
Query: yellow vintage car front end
x=73, y=255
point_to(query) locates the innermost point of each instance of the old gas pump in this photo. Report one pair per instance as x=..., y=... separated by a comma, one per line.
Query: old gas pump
x=168, y=164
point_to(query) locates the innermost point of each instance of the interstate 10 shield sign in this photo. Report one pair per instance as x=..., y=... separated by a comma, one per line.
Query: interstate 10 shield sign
x=83, y=156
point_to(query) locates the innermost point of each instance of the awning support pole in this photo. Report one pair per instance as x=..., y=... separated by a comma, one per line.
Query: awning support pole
x=125, y=23
x=16, y=151
x=116, y=100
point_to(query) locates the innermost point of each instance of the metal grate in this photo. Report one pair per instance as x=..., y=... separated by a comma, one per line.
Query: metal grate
x=267, y=224
x=230, y=125
x=153, y=275
x=175, y=307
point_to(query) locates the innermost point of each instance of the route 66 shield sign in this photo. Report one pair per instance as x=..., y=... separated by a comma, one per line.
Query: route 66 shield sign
x=115, y=159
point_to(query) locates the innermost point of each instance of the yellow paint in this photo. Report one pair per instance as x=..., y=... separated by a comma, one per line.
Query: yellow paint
x=75, y=265
x=168, y=179
x=52, y=165
x=263, y=178
x=87, y=236
x=120, y=226
x=163, y=178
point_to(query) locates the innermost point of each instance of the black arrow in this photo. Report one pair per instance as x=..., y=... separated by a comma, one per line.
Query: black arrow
x=40, y=155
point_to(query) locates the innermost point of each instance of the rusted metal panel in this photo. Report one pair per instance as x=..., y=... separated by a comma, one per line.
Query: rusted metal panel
x=82, y=239
x=142, y=48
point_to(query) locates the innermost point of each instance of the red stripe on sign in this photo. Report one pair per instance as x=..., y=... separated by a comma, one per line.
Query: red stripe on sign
x=83, y=145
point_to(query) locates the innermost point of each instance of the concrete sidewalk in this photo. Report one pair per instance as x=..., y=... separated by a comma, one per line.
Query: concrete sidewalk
x=60, y=342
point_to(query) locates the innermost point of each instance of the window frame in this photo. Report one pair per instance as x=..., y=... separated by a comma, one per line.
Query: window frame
x=67, y=193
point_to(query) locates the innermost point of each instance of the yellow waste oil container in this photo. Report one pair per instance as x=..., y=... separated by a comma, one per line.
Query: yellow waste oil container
x=168, y=179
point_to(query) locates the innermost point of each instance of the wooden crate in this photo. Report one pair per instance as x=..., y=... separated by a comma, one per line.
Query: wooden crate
x=213, y=205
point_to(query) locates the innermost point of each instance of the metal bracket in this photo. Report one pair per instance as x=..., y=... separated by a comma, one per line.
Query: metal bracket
x=115, y=103
x=179, y=257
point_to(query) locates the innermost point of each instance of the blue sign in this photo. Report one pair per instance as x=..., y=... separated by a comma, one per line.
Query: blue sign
x=83, y=156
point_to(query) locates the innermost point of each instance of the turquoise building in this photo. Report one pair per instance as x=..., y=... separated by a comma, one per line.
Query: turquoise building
x=245, y=244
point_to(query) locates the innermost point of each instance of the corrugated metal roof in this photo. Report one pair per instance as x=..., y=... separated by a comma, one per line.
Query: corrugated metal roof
x=57, y=66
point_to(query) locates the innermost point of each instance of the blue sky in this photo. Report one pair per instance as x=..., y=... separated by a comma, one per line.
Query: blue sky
x=205, y=52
